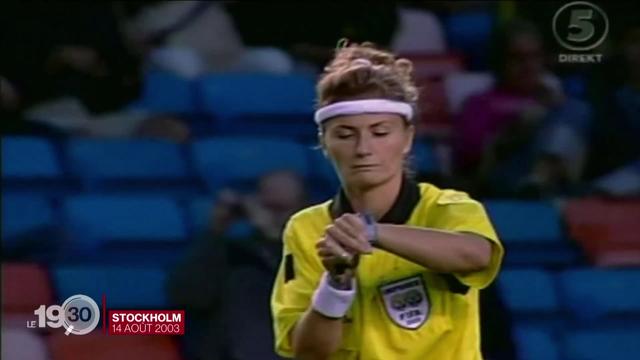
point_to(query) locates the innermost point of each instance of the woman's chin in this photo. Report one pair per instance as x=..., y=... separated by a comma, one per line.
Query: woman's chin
x=366, y=179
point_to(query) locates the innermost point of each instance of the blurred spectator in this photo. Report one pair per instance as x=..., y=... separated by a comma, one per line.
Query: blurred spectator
x=225, y=284
x=617, y=127
x=467, y=26
x=13, y=122
x=164, y=127
x=419, y=31
x=71, y=72
x=279, y=195
x=523, y=135
x=191, y=38
x=621, y=182
x=311, y=35
x=495, y=326
x=74, y=49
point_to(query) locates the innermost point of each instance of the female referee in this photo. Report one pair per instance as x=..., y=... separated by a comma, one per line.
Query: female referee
x=388, y=269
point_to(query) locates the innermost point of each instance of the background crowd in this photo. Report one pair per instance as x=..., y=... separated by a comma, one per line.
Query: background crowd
x=154, y=150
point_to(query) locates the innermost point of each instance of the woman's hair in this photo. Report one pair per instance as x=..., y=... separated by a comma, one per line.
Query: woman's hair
x=360, y=71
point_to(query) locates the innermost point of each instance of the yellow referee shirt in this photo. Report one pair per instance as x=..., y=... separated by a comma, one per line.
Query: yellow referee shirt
x=402, y=310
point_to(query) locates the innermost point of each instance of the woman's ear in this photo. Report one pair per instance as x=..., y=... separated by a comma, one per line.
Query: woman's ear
x=410, y=133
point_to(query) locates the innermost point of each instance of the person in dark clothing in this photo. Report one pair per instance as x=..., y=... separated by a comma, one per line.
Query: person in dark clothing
x=13, y=122
x=224, y=284
x=68, y=49
x=311, y=34
x=616, y=96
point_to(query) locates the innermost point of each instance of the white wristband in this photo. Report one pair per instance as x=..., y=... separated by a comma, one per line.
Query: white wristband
x=330, y=301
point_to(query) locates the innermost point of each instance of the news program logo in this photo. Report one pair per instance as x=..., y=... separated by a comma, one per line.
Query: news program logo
x=580, y=26
x=79, y=315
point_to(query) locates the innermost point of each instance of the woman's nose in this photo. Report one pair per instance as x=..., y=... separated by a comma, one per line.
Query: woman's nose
x=363, y=146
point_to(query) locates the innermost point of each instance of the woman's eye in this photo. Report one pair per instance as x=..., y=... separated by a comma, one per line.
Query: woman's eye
x=344, y=135
x=380, y=133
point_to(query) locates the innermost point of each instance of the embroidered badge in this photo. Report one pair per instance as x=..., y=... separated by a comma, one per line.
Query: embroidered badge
x=406, y=302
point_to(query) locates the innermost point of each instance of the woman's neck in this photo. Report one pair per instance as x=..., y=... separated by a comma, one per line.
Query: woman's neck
x=375, y=200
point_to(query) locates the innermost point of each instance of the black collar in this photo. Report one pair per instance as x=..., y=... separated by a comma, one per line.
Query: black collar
x=400, y=211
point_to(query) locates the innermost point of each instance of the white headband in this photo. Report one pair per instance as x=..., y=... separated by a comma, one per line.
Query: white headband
x=356, y=107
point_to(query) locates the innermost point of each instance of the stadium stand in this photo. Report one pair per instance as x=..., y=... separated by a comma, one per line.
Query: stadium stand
x=216, y=159
x=123, y=228
x=598, y=298
x=532, y=233
x=608, y=230
x=279, y=105
x=125, y=287
x=42, y=173
x=139, y=166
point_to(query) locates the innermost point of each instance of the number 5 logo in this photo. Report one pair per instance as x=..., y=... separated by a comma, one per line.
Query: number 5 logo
x=580, y=26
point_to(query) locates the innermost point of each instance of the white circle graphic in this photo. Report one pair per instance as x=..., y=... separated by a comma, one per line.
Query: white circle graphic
x=586, y=47
x=81, y=315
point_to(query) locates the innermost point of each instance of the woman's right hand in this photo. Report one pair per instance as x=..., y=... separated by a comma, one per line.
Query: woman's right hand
x=339, y=262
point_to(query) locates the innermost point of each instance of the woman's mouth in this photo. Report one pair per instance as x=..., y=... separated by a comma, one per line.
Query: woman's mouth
x=363, y=167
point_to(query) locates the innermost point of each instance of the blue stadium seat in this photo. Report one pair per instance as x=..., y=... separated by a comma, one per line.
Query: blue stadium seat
x=324, y=180
x=603, y=344
x=240, y=161
x=231, y=95
x=425, y=160
x=126, y=217
x=528, y=291
x=22, y=213
x=531, y=297
x=123, y=165
x=167, y=92
x=124, y=228
x=30, y=228
x=525, y=221
x=30, y=164
x=531, y=231
x=260, y=104
x=124, y=287
x=535, y=343
x=602, y=297
x=469, y=32
x=200, y=211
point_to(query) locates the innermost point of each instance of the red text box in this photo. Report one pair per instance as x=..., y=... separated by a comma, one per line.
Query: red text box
x=146, y=322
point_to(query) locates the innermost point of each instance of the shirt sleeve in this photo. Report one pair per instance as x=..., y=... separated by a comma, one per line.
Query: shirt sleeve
x=294, y=286
x=459, y=213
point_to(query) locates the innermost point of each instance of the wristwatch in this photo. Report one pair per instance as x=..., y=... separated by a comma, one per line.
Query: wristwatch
x=371, y=227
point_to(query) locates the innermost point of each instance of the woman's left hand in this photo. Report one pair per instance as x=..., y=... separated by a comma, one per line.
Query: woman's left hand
x=350, y=233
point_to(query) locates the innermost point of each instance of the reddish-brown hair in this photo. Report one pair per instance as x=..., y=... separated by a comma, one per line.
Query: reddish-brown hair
x=361, y=71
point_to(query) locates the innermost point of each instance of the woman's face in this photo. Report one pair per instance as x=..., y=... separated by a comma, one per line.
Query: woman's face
x=367, y=149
